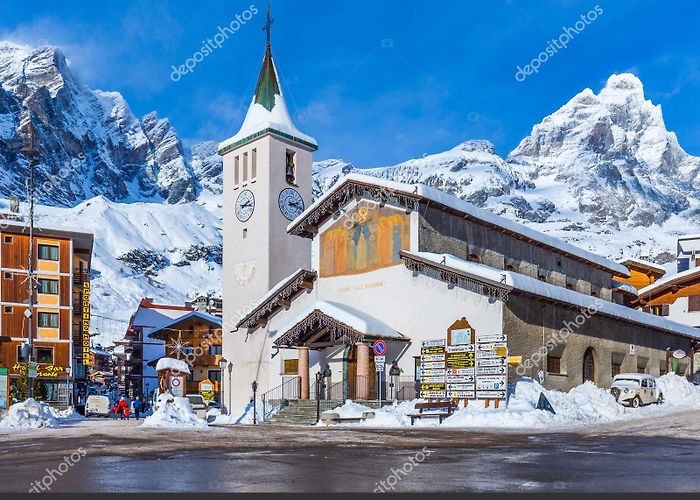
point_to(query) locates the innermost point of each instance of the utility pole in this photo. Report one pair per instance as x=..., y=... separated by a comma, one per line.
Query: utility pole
x=32, y=155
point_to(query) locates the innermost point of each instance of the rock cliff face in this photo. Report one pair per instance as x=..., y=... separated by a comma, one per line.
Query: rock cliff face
x=91, y=142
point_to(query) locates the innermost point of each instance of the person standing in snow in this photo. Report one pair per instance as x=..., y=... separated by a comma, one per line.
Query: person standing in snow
x=123, y=408
x=137, y=407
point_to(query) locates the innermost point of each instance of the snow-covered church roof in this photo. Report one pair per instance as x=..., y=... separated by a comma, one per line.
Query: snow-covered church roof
x=268, y=112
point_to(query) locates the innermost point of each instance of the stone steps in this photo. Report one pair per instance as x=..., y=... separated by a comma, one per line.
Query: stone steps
x=303, y=412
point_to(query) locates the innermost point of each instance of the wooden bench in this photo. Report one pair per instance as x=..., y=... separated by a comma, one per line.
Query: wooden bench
x=450, y=406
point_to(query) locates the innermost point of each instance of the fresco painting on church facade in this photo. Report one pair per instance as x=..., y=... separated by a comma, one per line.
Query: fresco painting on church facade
x=363, y=240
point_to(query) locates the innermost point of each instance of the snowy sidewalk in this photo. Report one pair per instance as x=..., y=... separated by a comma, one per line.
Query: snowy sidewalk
x=584, y=406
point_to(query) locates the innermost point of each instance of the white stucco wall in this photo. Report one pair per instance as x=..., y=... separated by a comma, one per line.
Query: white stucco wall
x=678, y=311
x=420, y=308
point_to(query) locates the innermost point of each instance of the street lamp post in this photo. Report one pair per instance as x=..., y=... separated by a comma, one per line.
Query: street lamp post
x=229, y=388
x=255, y=410
x=32, y=155
x=69, y=392
x=222, y=364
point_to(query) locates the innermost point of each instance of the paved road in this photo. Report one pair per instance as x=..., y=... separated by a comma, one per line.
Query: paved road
x=122, y=457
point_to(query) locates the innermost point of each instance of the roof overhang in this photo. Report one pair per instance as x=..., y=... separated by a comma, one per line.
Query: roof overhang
x=552, y=294
x=493, y=289
x=281, y=297
x=319, y=330
x=223, y=150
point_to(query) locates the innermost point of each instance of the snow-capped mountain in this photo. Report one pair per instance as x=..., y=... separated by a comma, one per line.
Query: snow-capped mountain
x=151, y=204
x=602, y=172
x=92, y=144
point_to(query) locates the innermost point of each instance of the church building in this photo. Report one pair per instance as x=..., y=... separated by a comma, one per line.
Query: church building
x=311, y=286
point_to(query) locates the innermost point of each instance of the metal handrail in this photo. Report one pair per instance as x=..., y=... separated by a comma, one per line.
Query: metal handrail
x=280, y=396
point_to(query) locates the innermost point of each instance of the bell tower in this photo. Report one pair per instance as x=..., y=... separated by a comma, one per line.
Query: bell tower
x=267, y=184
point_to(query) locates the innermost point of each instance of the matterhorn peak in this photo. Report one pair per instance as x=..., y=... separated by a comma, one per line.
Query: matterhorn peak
x=624, y=81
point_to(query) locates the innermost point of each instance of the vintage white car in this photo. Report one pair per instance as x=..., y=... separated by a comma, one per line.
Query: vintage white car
x=636, y=389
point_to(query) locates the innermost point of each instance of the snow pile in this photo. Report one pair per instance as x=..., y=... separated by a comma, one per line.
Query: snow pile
x=245, y=418
x=584, y=405
x=677, y=391
x=173, y=413
x=175, y=365
x=68, y=415
x=389, y=416
x=30, y=414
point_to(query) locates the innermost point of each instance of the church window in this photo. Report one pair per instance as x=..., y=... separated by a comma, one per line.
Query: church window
x=245, y=167
x=237, y=170
x=290, y=167
x=253, y=164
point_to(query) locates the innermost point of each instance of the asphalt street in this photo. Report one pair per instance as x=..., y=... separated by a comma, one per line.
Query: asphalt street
x=110, y=456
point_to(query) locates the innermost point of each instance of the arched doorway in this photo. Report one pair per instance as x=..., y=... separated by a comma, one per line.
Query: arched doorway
x=589, y=365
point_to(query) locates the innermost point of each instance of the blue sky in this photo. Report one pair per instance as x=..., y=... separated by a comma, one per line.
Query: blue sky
x=376, y=82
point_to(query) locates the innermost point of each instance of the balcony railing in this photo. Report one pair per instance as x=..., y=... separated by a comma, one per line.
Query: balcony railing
x=80, y=277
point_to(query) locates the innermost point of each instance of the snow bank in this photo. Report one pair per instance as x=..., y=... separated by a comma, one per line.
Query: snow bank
x=677, y=391
x=173, y=413
x=68, y=415
x=30, y=414
x=245, y=418
x=586, y=404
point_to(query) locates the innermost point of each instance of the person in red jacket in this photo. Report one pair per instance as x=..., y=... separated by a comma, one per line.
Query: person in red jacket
x=123, y=408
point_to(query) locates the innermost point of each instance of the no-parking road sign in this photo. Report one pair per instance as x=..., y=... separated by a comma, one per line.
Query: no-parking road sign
x=379, y=348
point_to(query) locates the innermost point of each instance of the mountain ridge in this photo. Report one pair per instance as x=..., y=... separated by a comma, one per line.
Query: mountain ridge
x=601, y=172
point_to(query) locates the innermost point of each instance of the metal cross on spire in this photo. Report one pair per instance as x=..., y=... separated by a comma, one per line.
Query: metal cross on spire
x=268, y=24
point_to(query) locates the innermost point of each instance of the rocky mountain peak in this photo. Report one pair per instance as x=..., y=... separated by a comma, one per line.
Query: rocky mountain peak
x=90, y=142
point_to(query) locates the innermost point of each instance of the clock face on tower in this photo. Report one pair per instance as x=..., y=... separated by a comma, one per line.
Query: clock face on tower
x=291, y=203
x=245, y=205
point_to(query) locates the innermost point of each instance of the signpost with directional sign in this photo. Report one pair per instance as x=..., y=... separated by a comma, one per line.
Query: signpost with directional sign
x=433, y=355
x=465, y=366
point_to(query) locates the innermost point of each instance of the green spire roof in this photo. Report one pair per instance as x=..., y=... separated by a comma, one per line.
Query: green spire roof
x=268, y=87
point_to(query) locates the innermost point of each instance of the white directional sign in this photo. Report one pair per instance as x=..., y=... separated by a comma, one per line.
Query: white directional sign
x=433, y=343
x=460, y=348
x=461, y=394
x=491, y=370
x=433, y=380
x=460, y=371
x=491, y=362
x=502, y=337
x=460, y=387
x=432, y=364
x=460, y=379
x=434, y=372
x=490, y=394
x=433, y=357
x=492, y=382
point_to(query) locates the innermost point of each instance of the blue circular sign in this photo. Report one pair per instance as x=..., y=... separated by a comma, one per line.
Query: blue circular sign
x=379, y=348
